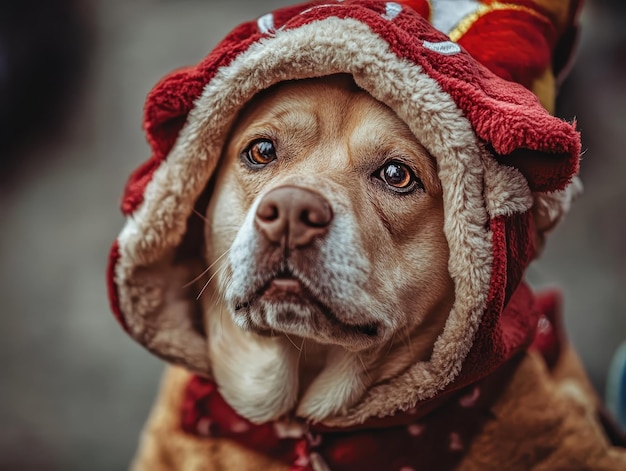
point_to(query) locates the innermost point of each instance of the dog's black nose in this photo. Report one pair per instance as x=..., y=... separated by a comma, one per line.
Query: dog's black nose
x=293, y=216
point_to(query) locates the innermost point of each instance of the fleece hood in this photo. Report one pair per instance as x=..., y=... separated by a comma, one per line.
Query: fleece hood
x=497, y=151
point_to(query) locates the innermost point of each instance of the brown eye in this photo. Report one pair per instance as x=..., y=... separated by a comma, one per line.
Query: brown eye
x=260, y=153
x=398, y=177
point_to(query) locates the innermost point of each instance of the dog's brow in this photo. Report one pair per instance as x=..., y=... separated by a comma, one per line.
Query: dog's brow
x=299, y=120
x=287, y=124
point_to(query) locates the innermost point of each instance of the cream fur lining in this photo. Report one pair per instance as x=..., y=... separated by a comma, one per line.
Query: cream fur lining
x=506, y=189
x=322, y=48
x=551, y=207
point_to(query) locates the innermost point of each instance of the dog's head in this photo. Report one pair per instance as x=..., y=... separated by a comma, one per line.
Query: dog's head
x=327, y=215
x=381, y=213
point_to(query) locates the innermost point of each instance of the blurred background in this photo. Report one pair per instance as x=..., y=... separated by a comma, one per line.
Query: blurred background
x=74, y=389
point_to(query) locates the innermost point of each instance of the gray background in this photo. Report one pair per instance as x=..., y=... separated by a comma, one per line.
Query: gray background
x=74, y=390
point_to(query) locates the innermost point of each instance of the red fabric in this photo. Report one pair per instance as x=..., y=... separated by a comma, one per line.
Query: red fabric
x=520, y=44
x=421, y=7
x=483, y=97
x=433, y=435
x=417, y=439
x=503, y=114
x=511, y=315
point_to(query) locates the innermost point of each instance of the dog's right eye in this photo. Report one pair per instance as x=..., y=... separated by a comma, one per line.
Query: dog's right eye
x=259, y=153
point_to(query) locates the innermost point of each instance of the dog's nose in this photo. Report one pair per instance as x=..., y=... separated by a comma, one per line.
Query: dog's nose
x=293, y=216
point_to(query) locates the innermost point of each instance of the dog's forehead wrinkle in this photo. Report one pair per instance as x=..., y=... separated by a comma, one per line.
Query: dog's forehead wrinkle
x=285, y=125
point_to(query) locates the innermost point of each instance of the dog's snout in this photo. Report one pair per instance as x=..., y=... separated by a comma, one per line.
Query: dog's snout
x=293, y=216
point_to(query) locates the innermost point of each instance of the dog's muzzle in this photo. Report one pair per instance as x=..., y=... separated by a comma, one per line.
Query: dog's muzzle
x=297, y=270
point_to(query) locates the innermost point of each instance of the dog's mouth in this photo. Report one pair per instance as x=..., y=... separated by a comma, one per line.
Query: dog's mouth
x=296, y=310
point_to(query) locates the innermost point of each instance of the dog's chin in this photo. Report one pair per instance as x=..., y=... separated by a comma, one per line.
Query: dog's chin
x=284, y=306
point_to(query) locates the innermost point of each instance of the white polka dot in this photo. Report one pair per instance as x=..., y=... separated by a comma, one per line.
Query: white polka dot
x=316, y=7
x=392, y=10
x=456, y=444
x=415, y=429
x=288, y=430
x=240, y=427
x=469, y=400
x=544, y=326
x=318, y=463
x=204, y=427
x=303, y=461
x=446, y=48
x=266, y=23
x=314, y=439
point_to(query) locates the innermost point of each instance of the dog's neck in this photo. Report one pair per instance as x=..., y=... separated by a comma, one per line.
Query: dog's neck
x=264, y=378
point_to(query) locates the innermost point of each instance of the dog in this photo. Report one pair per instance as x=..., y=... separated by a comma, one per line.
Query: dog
x=320, y=283
x=331, y=246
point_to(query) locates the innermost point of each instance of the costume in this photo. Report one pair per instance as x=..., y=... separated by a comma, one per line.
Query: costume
x=499, y=154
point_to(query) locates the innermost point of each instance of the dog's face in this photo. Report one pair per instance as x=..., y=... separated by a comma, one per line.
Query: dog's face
x=326, y=222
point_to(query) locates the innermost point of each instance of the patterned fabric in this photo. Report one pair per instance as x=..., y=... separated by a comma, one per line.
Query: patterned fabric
x=433, y=435
x=416, y=439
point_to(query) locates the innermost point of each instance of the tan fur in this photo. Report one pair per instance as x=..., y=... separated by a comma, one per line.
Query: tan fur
x=165, y=447
x=557, y=412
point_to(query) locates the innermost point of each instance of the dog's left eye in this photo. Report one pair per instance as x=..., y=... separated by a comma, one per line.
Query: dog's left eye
x=259, y=153
x=398, y=177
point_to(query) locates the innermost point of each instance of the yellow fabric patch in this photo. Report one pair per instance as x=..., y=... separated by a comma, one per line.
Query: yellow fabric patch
x=466, y=23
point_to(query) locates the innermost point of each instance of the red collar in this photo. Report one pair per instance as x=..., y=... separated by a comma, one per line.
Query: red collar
x=414, y=440
x=433, y=436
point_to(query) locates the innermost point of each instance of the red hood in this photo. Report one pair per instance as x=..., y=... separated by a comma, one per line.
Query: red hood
x=496, y=147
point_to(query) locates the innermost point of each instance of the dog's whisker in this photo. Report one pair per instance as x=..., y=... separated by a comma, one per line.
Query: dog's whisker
x=186, y=285
x=408, y=339
x=209, y=282
x=215, y=299
x=364, y=367
x=217, y=294
x=292, y=342
x=300, y=352
x=224, y=230
x=201, y=216
x=393, y=336
x=222, y=318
